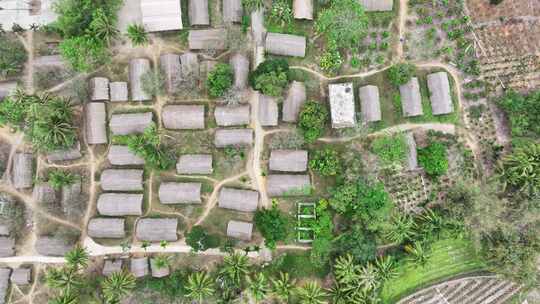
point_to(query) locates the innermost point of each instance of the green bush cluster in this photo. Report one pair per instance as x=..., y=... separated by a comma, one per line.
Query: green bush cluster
x=433, y=159
x=148, y=145
x=220, y=79
x=271, y=77
x=312, y=121
x=391, y=150
x=137, y=34
x=12, y=56
x=401, y=73
x=344, y=23
x=273, y=224
x=326, y=162
x=200, y=240
x=523, y=112
x=58, y=178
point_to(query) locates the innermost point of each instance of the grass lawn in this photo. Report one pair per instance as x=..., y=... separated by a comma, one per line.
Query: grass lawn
x=449, y=257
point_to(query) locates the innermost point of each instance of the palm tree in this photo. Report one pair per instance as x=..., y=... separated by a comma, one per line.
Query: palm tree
x=432, y=223
x=282, y=287
x=163, y=244
x=402, y=228
x=77, y=257
x=338, y=294
x=65, y=279
x=65, y=298
x=258, y=286
x=103, y=26
x=519, y=170
x=145, y=245
x=311, y=293
x=346, y=271
x=368, y=277
x=418, y=253
x=161, y=261
x=199, y=286
x=235, y=267
x=386, y=268
x=137, y=34
x=117, y=286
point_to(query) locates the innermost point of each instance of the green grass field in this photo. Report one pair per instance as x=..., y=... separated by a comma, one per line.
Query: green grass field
x=448, y=258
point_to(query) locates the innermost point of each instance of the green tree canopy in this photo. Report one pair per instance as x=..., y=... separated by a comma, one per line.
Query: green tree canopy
x=433, y=159
x=401, y=73
x=200, y=240
x=273, y=225
x=271, y=77
x=523, y=112
x=520, y=170
x=326, y=162
x=219, y=80
x=343, y=23
x=312, y=120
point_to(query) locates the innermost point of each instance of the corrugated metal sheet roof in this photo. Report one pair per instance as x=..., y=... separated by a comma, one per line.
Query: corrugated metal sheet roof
x=161, y=15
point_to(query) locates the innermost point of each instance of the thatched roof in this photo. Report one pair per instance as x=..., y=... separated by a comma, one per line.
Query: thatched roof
x=99, y=88
x=119, y=91
x=227, y=116
x=268, y=111
x=296, y=97
x=96, y=120
x=65, y=155
x=120, y=204
x=190, y=65
x=183, y=117
x=70, y=196
x=52, y=246
x=439, y=92
x=412, y=158
x=240, y=65
x=7, y=246
x=133, y=123
x=122, y=180
x=180, y=193
x=232, y=10
x=233, y=137
x=198, y=12
x=137, y=68
x=303, y=9
x=258, y=30
x=161, y=15
x=122, y=156
x=370, y=104
x=108, y=228
x=139, y=267
x=44, y=193
x=4, y=229
x=239, y=230
x=342, y=110
x=194, y=164
x=158, y=272
x=4, y=283
x=22, y=170
x=288, y=185
x=157, y=229
x=377, y=5
x=207, y=39
x=171, y=68
x=7, y=88
x=111, y=266
x=286, y=45
x=411, y=100
x=21, y=276
x=239, y=200
x=288, y=160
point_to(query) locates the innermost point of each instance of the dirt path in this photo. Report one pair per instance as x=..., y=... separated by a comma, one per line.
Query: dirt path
x=402, y=19
x=254, y=161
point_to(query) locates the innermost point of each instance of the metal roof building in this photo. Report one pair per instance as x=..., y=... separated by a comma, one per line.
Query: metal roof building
x=4, y=283
x=172, y=70
x=233, y=137
x=161, y=15
x=132, y=123
x=7, y=246
x=96, y=120
x=52, y=246
x=122, y=156
x=240, y=66
x=194, y=164
x=303, y=9
x=99, y=89
x=411, y=100
x=198, y=12
x=180, y=193
x=118, y=91
x=44, y=193
x=21, y=276
x=227, y=116
x=158, y=271
x=296, y=97
x=183, y=117
x=157, y=229
x=370, y=105
x=232, y=10
x=213, y=39
x=239, y=200
x=22, y=171
x=122, y=180
x=412, y=155
x=240, y=230
x=288, y=160
x=65, y=155
x=137, y=68
x=439, y=90
x=268, y=111
x=377, y=5
x=109, y=228
x=111, y=266
x=288, y=185
x=139, y=267
x=286, y=44
x=341, y=96
x=120, y=204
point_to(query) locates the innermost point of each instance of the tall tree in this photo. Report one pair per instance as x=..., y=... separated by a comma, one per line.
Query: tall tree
x=343, y=23
x=311, y=293
x=235, y=267
x=117, y=286
x=258, y=286
x=199, y=286
x=283, y=286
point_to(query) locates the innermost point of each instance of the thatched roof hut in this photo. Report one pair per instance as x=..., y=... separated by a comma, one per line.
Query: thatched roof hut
x=70, y=197
x=240, y=66
x=157, y=229
x=233, y=137
x=111, y=266
x=439, y=92
x=412, y=158
x=194, y=164
x=139, y=267
x=137, y=68
x=183, y=117
x=132, y=123
x=7, y=246
x=7, y=88
x=342, y=110
x=268, y=111
x=161, y=15
x=52, y=246
x=240, y=230
x=120, y=204
x=99, y=89
x=288, y=160
x=96, y=120
x=4, y=229
x=190, y=65
x=227, y=116
x=180, y=193
x=239, y=200
x=198, y=12
x=411, y=100
x=172, y=69
x=158, y=272
x=288, y=185
x=4, y=283
x=65, y=155
x=296, y=97
x=214, y=39
x=232, y=11
x=107, y=228
x=22, y=170
x=118, y=91
x=21, y=276
x=286, y=45
x=369, y=103
x=377, y=5
x=122, y=180
x=303, y=9
x=44, y=193
x=122, y=156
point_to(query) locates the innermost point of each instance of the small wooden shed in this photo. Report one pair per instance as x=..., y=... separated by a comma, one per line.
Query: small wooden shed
x=119, y=91
x=99, y=89
x=139, y=267
x=21, y=276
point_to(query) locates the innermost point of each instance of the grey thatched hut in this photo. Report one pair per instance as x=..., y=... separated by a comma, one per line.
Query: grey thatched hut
x=198, y=12
x=370, y=103
x=157, y=271
x=122, y=180
x=439, y=93
x=120, y=204
x=4, y=283
x=22, y=170
x=139, y=267
x=268, y=111
x=233, y=137
x=21, y=276
x=240, y=65
x=65, y=155
x=96, y=120
x=52, y=246
x=7, y=88
x=240, y=230
x=342, y=110
x=194, y=164
x=190, y=65
x=119, y=91
x=232, y=10
x=180, y=193
x=108, y=228
x=7, y=246
x=296, y=97
x=70, y=197
x=4, y=229
x=122, y=156
x=227, y=116
x=111, y=266
x=288, y=185
x=99, y=89
x=377, y=5
x=239, y=200
x=288, y=160
x=137, y=68
x=157, y=229
x=303, y=9
x=132, y=123
x=286, y=45
x=411, y=100
x=214, y=39
x=183, y=117
x=412, y=157
x=44, y=193
x=172, y=69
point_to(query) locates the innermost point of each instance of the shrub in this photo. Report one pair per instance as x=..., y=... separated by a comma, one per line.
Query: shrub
x=326, y=162
x=148, y=146
x=391, y=150
x=271, y=77
x=137, y=34
x=58, y=178
x=519, y=171
x=356, y=241
x=252, y=5
x=12, y=56
x=433, y=159
x=219, y=80
x=331, y=61
x=153, y=82
x=281, y=12
x=200, y=240
x=312, y=121
x=523, y=112
x=343, y=23
x=273, y=225
x=401, y=73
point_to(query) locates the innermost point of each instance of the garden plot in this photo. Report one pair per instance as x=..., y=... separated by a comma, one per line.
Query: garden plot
x=481, y=10
x=409, y=190
x=305, y=215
